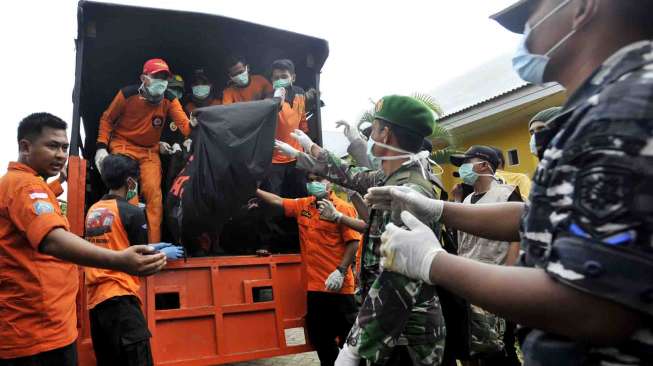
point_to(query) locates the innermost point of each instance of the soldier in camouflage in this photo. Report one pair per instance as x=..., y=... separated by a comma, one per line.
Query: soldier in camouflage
x=585, y=287
x=396, y=310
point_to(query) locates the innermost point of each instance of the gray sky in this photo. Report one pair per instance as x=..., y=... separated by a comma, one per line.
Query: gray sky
x=376, y=48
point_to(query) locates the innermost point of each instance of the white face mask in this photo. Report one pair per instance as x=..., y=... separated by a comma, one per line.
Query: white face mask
x=241, y=79
x=529, y=66
x=156, y=87
x=532, y=146
x=421, y=158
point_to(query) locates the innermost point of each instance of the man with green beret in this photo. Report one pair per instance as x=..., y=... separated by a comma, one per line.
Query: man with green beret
x=400, y=321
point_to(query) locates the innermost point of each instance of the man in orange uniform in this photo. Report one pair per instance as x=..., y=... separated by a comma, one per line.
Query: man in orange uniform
x=118, y=327
x=328, y=249
x=284, y=179
x=244, y=87
x=38, y=284
x=202, y=92
x=132, y=126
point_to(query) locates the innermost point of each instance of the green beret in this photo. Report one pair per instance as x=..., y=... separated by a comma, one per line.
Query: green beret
x=406, y=112
x=545, y=115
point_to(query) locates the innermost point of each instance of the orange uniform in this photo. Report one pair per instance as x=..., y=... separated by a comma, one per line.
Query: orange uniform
x=291, y=117
x=132, y=126
x=37, y=291
x=258, y=88
x=56, y=187
x=190, y=106
x=115, y=224
x=323, y=243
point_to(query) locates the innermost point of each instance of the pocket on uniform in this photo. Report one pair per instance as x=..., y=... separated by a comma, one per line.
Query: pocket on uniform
x=132, y=324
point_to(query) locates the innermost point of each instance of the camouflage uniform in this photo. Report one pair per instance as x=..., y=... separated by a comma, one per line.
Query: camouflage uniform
x=396, y=310
x=590, y=222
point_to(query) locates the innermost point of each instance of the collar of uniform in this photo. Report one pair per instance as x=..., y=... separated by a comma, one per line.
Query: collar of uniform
x=625, y=60
x=14, y=165
x=113, y=197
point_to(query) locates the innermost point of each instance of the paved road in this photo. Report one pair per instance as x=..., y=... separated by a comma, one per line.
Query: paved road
x=293, y=337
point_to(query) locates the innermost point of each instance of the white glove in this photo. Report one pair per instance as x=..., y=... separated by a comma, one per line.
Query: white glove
x=100, y=154
x=187, y=144
x=303, y=139
x=334, y=281
x=399, y=198
x=165, y=148
x=176, y=148
x=286, y=149
x=328, y=211
x=409, y=252
x=193, y=121
x=350, y=133
x=347, y=357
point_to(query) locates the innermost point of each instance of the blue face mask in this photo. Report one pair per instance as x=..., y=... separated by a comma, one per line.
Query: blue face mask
x=281, y=83
x=317, y=189
x=157, y=87
x=241, y=79
x=529, y=66
x=374, y=160
x=201, y=91
x=467, y=174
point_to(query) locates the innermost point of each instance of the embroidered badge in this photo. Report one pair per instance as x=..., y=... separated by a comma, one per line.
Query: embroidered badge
x=157, y=121
x=173, y=127
x=36, y=195
x=43, y=207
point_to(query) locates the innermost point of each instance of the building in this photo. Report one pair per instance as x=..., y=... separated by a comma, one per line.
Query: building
x=491, y=106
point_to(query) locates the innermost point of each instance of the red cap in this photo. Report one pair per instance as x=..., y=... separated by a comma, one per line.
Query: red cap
x=155, y=65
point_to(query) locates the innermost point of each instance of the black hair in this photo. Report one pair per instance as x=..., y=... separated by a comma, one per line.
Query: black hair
x=502, y=161
x=406, y=139
x=200, y=76
x=234, y=59
x=32, y=126
x=117, y=168
x=283, y=64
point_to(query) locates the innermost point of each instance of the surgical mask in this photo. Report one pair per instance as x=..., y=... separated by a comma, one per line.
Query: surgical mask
x=156, y=87
x=241, y=79
x=468, y=175
x=132, y=192
x=421, y=158
x=317, y=189
x=176, y=93
x=281, y=83
x=529, y=66
x=532, y=146
x=375, y=162
x=201, y=91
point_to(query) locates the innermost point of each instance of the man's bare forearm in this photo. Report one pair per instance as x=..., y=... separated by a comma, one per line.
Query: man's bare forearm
x=532, y=298
x=70, y=247
x=350, y=253
x=353, y=223
x=496, y=221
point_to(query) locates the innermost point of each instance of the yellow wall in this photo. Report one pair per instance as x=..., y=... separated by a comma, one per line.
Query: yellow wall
x=505, y=138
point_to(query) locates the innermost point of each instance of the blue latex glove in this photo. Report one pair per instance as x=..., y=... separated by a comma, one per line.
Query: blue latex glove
x=159, y=246
x=173, y=252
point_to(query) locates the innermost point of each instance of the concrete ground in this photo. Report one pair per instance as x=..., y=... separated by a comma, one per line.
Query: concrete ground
x=293, y=337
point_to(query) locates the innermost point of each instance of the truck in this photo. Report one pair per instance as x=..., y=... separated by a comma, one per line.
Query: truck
x=204, y=310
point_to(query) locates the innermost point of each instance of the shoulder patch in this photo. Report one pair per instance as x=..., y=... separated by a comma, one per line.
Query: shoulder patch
x=38, y=195
x=43, y=207
x=130, y=91
x=99, y=221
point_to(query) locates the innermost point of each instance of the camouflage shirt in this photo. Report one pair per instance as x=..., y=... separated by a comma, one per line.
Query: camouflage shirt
x=590, y=221
x=396, y=310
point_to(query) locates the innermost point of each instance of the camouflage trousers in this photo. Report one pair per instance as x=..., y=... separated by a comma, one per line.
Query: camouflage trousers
x=486, y=330
x=398, y=311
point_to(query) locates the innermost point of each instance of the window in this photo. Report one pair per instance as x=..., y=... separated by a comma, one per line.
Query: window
x=513, y=157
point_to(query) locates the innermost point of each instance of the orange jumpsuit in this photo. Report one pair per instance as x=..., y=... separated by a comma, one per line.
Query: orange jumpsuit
x=257, y=89
x=132, y=126
x=291, y=117
x=190, y=106
x=37, y=291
